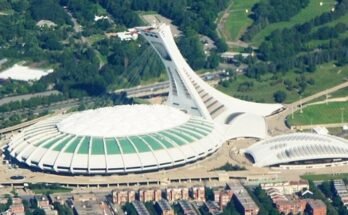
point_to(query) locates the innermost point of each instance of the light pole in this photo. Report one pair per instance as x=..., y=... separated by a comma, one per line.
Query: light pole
x=342, y=115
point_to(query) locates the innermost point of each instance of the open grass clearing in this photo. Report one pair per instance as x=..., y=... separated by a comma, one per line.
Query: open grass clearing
x=312, y=10
x=263, y=89
x=238, y=19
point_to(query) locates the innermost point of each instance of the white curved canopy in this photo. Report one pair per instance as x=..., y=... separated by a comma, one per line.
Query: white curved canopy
x=297, y=147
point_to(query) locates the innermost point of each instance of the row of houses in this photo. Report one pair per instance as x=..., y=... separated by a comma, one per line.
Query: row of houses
x=172, y=194
x=17, y=206
x=222, y=196
x=284, y=198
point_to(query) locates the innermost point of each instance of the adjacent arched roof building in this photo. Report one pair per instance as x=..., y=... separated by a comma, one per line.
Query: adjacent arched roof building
x=297, y=148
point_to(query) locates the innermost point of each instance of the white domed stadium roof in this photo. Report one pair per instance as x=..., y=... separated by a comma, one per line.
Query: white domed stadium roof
x=120, y=121
x=119, y=139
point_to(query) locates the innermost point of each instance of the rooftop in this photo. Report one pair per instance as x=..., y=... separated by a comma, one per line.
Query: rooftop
x=121, y=121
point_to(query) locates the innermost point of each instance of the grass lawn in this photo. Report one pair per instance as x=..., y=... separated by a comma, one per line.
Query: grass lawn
x=320, y=114
x=338, y=94
x=263, y=89
x=95, y=38
x=42, y=188
x=238, y=20
x=312, y=10
x=325, y=177
x=44, y=191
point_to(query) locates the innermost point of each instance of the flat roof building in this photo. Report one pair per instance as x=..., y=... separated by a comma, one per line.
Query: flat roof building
x=242, y=198
x=164, y=208
x=316, y=207
x=212, y=207
x=287, y=187
x=187, y=208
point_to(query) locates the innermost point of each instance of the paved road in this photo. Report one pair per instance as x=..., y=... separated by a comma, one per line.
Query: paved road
x=27, y=96
x=162, y=87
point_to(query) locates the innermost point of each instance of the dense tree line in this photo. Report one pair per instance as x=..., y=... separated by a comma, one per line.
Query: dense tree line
x=121, y=12
x=272, y=11
x=264, y=202
x=93, y=69
x=197, y=15
x=48, y=10
x=327, y=187
x=6, y=206
x=83, y=10
x=317, y=194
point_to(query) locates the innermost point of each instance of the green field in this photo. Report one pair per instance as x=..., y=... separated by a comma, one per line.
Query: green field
x=338, y=94
x=238, y=19
x=325, y=177
x=263, y=89
x=312, y=10
x=44, y=189
x=332, y=112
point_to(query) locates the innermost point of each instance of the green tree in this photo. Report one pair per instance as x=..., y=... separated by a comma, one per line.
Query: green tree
x=279, y=96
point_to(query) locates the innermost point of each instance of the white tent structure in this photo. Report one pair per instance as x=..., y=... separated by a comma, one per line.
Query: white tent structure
x=298, y=148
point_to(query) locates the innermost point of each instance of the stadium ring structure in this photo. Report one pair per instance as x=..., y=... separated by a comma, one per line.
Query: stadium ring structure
x=118, y=139
x=298, y=150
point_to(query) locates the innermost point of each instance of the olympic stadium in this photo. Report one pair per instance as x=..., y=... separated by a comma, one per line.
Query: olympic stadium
x=116, y=140
x=194, y=123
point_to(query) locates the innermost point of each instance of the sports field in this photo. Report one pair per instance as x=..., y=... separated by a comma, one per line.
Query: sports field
x=334, y=112
x=238, y=19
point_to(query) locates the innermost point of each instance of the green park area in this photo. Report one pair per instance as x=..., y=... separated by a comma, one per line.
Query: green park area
x=238, y=19
x=325, y=177
x=42, y=188
x=262, y=90
x=313, y=9
x=332, y=112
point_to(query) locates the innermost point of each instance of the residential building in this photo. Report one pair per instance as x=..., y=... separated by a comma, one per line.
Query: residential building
x=42, y=202
x=316, y=207
x=174, y=194
x=223, y=197
x=164, y=208
x=17, y=207
x=212, y=207
x=198, y=193
x=288, y=187
x=341, y=191
x=187, y=208
x=140, y=208
x=243, y=201
x=146, y=195
x=123, y=196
